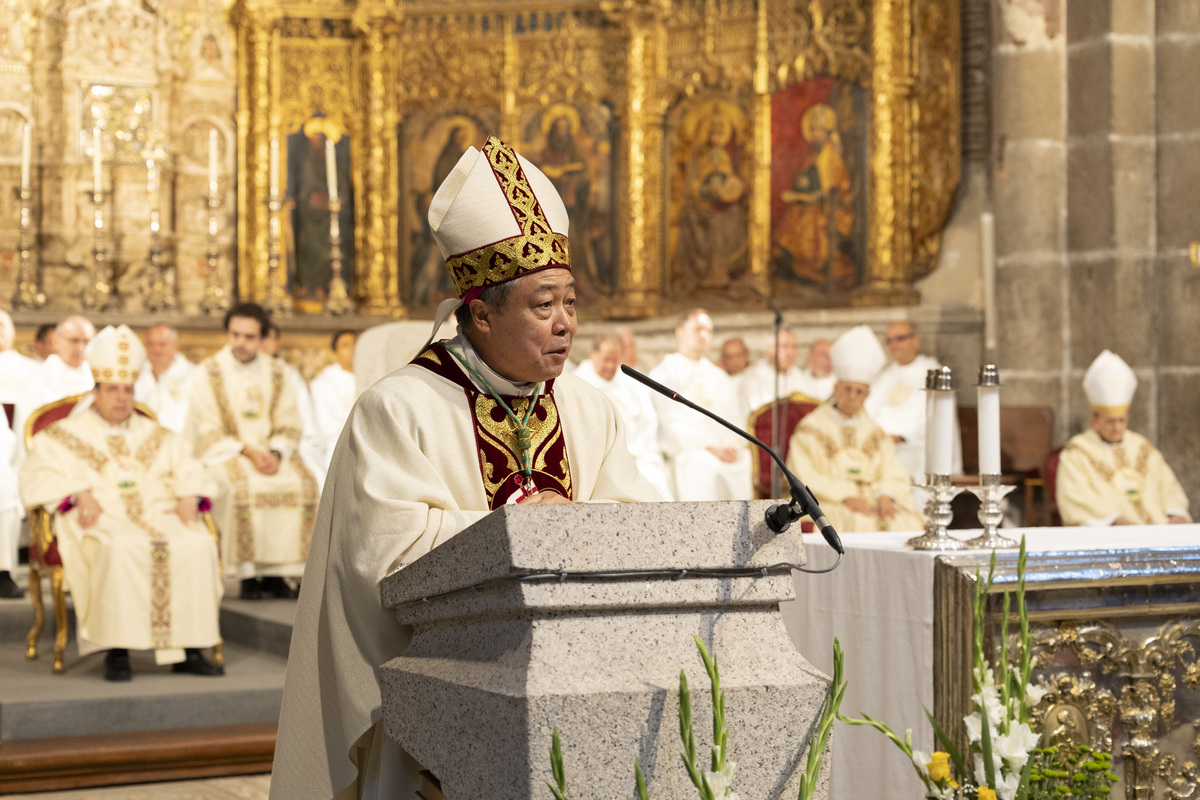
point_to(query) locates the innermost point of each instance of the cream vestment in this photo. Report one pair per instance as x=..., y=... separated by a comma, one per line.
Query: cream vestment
x=265, y=520
x=166, y=395
x=333, y=394
x=1098, y=482
x=10, y=503
x=842, y=457
x=51, y=380
x=757, y=387
x=407, y=475
x=897, y=404
x=139, y=578
x=685, y=435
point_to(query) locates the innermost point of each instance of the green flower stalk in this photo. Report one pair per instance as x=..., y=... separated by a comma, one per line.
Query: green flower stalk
x=559, y=787
x=829, y=712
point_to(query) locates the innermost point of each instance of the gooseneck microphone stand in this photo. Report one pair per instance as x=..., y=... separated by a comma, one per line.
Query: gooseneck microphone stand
x=780, y=516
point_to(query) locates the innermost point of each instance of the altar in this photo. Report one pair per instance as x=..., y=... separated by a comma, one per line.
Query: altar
x=1112, y=609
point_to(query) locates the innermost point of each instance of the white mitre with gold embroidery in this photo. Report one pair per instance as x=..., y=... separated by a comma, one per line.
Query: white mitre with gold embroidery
x=857, y=356
x=116, y=355
x=1109, y=383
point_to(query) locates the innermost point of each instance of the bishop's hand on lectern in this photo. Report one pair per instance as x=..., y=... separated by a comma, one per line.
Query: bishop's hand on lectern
x=472, y=424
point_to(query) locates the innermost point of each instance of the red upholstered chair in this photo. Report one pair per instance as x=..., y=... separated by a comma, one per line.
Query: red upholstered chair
x=793, y=408
x=9, y=410
x=43, y=544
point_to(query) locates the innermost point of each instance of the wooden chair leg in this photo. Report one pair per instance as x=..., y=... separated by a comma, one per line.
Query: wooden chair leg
x=39, y=613
x=219, y=653
x=60, y=618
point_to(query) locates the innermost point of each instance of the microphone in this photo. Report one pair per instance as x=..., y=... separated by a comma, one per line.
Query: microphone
x=780, y=516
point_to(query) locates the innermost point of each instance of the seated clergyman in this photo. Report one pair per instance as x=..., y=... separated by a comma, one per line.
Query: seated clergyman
x=1110, y=475
x=142, y=568
x=484, y=419
x=847, y=460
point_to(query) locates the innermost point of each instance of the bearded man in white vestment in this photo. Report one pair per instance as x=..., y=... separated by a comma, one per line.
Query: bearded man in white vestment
x=707, y=462
x=244, y=424
x=429, y=450
x=142, y=568
x=848, y=461
x=1110, y=475
x=602, y=370
x=163, y=385
x=334, y=391
x=62, y=374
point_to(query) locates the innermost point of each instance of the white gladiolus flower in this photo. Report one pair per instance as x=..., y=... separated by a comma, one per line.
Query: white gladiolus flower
x=1007, y=785
x=721, y=782
x=974, y=724
x=1034, y=695
x=989, y=698
x=1016, y=746
x=921, y=761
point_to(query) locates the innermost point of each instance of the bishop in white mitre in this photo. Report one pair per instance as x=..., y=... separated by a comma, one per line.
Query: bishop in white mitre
x=141, y=566
x=64, y=373
x=847, y=460
x=484, y=419
x=244, y=424
x=333, y=391
x=1109, y=475
x=897, y=400
x=163, y=385
x=602, y=370
x=707, y=462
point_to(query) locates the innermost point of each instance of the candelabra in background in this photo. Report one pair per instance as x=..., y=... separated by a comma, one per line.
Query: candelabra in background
x=29, y=289
x=939, y=451
x=160, y=296
x=215, y=301
x=99, y=294
x=278, y=304
x=338, y=302
x=989, y=491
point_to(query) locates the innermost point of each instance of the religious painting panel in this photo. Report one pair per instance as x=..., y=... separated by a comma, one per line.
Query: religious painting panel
x=818, y=190
x=431, y=143
x=708, y=196
x=575, y=146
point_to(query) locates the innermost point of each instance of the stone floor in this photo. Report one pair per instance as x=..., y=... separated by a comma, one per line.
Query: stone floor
x=242, y=787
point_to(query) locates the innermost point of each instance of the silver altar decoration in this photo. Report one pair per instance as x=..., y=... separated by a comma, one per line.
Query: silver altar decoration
x=990, y=491
x=938, y=513
x=216, y=301
x=277, y=302
x=29, y=292
x=338, y=303
x=99, y=294
x=160, y=295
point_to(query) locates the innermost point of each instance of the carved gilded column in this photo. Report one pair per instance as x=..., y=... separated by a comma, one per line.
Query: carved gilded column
x=760, y=197
x=640, y=290
x=890, y=231
x=378, y=29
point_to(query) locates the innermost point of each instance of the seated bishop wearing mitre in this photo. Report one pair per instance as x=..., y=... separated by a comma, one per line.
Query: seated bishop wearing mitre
x=141, y=566
x=1110, y=475
x=847, y=460
x=485, y=419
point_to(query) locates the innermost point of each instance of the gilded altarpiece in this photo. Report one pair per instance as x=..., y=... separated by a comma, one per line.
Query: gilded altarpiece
x=657, y=121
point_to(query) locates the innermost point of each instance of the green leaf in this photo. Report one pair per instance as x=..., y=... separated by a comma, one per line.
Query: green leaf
x=556, y=763
x=955, y=754
x=985, y=744
x=642, y=792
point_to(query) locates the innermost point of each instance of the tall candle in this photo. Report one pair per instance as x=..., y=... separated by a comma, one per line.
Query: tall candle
x=989, y=420
x=987, y=238
x=939, y=448
x=152, y=192
x=213, y=160
x=26, y=149
x=274, y=168
x=97, y=176
x=331, y=169
x=930, y=428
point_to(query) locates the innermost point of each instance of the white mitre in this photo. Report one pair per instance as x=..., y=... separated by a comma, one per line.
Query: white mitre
x=116, y=355
x=1109, y=383
x=857, y=356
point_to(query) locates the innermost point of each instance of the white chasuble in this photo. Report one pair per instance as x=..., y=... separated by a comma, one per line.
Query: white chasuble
x=1098, y=482
x=265, y=520
x=167, y=394
x=686, y=435
x=52, y=380
x=842, y=457
x=139, y=577
x=10, y=502
x=333, y=394
x=407, y=475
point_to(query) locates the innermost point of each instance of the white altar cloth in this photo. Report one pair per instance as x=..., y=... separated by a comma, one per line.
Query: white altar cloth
x=879, y=604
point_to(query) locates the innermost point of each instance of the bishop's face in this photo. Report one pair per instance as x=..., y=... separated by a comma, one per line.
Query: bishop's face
x=113, y=401
x=529, y=340
x=1110, y=425
x=849, y=396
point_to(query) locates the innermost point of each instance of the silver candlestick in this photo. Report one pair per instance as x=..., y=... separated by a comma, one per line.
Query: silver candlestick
x=99, y=293
x=990, y=493
x=159, y=297
x=338, y=302
x=29, y=292
x=216, y=301
x=277, y=304
x=938, y=515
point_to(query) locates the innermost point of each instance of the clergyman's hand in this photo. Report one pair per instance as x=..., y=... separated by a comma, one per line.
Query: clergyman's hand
x=859, y=506
x=727, y=455
x=887, y=507
x=87, y=508
x=186, y=509
x=544, y=498
x=264, y=462
x=1122, y=521
x=1175, y=519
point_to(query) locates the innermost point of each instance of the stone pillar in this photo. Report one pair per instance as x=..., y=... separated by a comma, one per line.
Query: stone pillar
x=496, y=664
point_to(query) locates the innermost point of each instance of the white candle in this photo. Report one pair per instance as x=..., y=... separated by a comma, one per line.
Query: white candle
x=331, y=169
x=942, y=455
x=930, y=428
x=989, y=430
x=274, y=168
x=213, y=160
x=26, y=150
x=97, y=177
x=152, y=192
x=987, y=238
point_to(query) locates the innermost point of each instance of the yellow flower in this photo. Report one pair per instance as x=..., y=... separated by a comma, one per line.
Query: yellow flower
x=939, y=767
x=986, y=793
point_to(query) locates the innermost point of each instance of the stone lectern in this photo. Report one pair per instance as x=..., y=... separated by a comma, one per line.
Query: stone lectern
x=593, y=645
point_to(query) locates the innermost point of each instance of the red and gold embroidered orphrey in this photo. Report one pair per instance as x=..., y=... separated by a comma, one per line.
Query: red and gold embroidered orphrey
x=536, y=247
x=496, y=438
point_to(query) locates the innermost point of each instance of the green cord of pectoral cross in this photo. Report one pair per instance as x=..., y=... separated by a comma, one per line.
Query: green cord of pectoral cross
x=520, y=424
